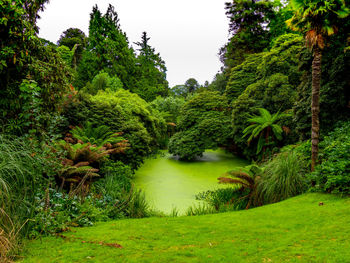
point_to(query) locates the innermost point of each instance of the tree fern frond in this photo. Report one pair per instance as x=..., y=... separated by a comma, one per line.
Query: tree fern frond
x=81, y=164
x=226, y=180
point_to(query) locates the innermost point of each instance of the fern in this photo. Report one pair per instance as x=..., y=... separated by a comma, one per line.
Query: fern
x=98, y=136
x=247, y=181
x=81, y=161
x=264, y=127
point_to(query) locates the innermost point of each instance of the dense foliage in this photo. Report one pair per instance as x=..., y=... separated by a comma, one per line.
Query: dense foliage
x=273, y=86
x=33, y=76
x=333, y=174
x=78, y=118
x=203, y=124
x=152, y=71
x=123, y=112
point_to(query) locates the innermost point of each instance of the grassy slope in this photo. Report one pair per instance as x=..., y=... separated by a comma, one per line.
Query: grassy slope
x=296, y=230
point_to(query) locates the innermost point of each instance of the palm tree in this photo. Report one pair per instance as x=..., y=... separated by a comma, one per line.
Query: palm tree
x=263, y=127
x=317, y=19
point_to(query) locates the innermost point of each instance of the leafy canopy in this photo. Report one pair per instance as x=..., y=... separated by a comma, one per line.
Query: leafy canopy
x=204, y=123
x=317, y=19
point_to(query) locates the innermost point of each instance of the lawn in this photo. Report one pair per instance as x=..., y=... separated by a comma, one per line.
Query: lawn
x=296, y=230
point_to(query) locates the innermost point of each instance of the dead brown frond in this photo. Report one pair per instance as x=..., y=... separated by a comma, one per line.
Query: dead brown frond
x=313, y=38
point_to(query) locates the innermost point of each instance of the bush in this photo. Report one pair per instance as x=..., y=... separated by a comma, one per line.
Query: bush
x=122, y=111
x=169, y=107
x=186, y=145
x=111, y=197
x=333, y=174
x=103, y=81
x=222, y=199
x=204, y=123
x=56, y=212
x=283, y=177
x=138, y=206
x=117, y=179
x=21, y=177
x=23, y=173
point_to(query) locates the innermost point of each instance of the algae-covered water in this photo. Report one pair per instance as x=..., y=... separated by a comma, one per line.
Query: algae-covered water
x=169, y=183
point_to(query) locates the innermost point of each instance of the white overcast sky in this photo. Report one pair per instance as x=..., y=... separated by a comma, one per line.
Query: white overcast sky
x=186, y=33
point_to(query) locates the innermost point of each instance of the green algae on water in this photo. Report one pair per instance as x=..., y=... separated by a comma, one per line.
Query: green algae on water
x=170, y=183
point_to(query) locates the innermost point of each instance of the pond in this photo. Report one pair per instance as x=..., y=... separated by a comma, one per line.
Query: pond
x=169, y=183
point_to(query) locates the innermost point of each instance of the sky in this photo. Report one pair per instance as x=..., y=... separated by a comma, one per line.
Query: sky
x=187, y=33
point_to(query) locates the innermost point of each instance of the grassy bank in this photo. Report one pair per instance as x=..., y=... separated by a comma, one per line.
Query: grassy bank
x=296, y=230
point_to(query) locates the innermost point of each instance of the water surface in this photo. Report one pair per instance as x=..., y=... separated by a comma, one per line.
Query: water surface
x=168, y=182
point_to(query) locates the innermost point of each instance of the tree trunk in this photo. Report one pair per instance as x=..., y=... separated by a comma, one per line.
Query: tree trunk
x=315, y=104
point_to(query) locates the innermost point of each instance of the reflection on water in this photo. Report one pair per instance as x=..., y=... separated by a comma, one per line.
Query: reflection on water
x=170, y=183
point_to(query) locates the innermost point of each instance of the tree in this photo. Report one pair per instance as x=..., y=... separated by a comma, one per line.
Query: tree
x=122, y=111
x=317, y=20
x=74, y=37
x=71, y=37
x=265, y=127
x=32, y=9
x=179, y=91
x=169, y=107
x=108, y=49
x=265, y=80
x=191, y=85
x=30, y=70
x=102, y=81
x=204, y=123
x=219, y=83
x=152, y=71
x=249, y=29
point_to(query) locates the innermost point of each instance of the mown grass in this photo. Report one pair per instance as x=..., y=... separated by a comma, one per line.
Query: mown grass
x=295, y=230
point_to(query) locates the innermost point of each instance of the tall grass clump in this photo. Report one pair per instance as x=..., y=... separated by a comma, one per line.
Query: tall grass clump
x=138, y=206
x=223, y=199
x=20, y=179
x=200, y=209
x=283, y=177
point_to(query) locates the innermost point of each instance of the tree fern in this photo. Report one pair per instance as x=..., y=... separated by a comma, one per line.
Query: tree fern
x=263, y=127
x=247, y=182
x=99, y=136
x=81, y=160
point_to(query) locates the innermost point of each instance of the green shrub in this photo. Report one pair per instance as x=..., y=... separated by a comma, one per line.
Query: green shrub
x=200, y=209
x=81, y=164
x=138, y=206
x=103, y=81
x=221, y=199
x=99, y=136
x=186, y=145
x=122, y=111
x=24, y=172
x=265, y=128
x=333, y=174
x=284, y=176
x=169, y=107
x=57, y=212
x=21, y=177
x=242, y=195
x=117, y=179
x=204, y=123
